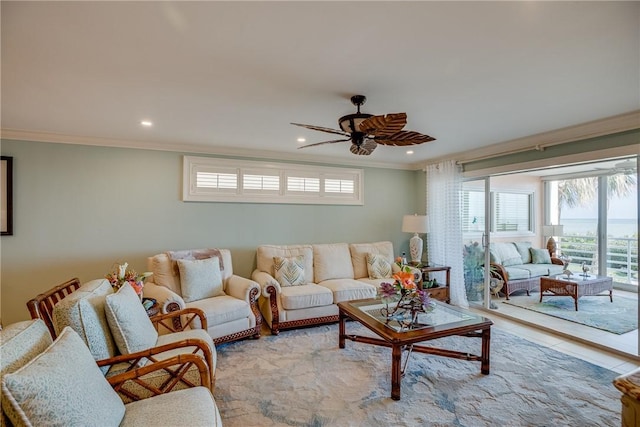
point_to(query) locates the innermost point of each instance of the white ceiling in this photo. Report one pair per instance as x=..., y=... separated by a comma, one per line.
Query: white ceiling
x=230, y=76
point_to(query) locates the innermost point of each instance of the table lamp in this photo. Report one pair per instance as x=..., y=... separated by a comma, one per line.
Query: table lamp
x=550, y=231
x=415, y=224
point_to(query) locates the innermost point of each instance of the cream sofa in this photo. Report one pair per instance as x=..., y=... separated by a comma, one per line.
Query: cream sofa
x=520, y=265
x=332, y=273
x=230, y=316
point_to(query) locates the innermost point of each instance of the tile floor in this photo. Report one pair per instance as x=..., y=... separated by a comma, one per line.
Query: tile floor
x=618, y=353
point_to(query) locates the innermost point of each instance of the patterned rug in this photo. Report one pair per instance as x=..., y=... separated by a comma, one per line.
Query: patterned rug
x=302, y=378
x=618, y=317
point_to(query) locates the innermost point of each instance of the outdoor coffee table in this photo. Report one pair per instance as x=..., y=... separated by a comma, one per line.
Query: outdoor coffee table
x=444, y=321
x=576, y=287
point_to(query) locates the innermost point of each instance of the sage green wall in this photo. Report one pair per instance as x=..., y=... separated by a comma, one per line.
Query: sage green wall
x=79, y=209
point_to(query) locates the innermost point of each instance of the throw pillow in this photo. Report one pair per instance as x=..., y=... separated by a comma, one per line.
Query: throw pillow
x=62, y=386
x=200, y=278
x=128, y=321
x=540, y=256
x=378, y=266
x=289, y=271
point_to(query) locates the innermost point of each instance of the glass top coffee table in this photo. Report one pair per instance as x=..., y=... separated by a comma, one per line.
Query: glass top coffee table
x=402, y=335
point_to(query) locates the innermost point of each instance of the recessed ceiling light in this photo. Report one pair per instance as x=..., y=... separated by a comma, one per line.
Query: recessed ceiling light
x=146, y=123
x=302, y=139
x=410, y=152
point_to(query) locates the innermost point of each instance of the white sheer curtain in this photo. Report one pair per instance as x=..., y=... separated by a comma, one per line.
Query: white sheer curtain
x=444, y=242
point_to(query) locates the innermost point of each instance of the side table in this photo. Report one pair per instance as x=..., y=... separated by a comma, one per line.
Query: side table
x=440, y=293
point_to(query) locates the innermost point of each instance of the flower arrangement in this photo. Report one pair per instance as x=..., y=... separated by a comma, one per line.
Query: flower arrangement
x=120, y=275
x=405, y=291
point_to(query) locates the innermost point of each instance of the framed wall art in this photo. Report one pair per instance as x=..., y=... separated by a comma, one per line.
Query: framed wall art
x=6, y=196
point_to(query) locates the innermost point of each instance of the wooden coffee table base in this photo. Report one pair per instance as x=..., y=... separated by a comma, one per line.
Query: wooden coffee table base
x=398, y=346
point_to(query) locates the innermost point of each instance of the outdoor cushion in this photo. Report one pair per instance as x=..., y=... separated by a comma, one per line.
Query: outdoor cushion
x=332, y=261
x=540, y=256
x=505, y=254
x=200, y=278
x=523, y=250
x=517, y=273
x=535, y=270
x=305, y=296
x=349, y=289
x=129, y=323
x=62, y=386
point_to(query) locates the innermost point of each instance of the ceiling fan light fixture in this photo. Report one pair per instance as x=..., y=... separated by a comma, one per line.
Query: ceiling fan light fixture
x=351, y=122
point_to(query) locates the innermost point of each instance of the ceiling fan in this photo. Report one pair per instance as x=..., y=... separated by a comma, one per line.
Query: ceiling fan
x=366, y=131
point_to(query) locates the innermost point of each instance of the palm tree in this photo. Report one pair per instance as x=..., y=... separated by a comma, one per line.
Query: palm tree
x=582, y=191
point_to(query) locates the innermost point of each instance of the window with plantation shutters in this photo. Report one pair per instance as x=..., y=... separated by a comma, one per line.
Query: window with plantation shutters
x=207, y=179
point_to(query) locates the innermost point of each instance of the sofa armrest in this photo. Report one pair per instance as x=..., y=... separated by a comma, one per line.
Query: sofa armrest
x=499, y=271
x=242, y=288
x=167, y=299
x=266, y=281
x=556, y=261
x=179, y=320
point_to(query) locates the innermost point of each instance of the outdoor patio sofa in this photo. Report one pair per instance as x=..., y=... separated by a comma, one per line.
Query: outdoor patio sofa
x=520, y=265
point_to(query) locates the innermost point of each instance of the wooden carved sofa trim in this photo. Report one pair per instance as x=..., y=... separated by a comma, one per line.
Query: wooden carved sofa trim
x=277, y=326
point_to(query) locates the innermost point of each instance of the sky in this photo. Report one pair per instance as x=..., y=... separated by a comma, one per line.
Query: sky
x=626, y=208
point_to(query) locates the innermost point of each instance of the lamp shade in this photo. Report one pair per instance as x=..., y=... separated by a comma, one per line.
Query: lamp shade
x=553, y=230
x=415, y=223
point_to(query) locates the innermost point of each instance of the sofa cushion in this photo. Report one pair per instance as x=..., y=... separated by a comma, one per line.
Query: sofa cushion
x=378, y=266
x=305, y=296
x=535, y=270
x=505, y=254
x=349, y=289
x=163, y=273
x=22, y=341
x=84, y=312
x=289, y=271
x=62, y=386
x=555, y=269
x=265, y=254
x=129, y=322
x=523, y=250
x=359, y=253
x=540, y=256
x=161, y=410
x=332, y=261
x=200, y=278
x=221, y=309
x=516, y=273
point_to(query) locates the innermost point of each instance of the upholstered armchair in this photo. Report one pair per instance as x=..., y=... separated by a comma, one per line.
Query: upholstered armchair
x=204, y=279
x=59, y=383
x=121, y=337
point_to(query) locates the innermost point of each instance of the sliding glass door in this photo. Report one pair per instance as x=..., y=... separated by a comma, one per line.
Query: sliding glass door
x=476, y=219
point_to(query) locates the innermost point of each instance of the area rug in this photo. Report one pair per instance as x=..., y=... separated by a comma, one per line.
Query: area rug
x=302, y=378
x=618, y=317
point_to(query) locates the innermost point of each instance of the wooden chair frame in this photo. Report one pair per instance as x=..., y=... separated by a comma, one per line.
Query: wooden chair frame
x=42, y=307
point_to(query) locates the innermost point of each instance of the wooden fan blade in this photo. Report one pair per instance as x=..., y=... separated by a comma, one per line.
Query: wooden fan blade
x=384, y=125
x=324, y=142
x=365, y=148
x=322, y=129
x=403, y=138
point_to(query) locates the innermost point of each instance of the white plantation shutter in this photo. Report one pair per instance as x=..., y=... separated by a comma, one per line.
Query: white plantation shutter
x=207, y=179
